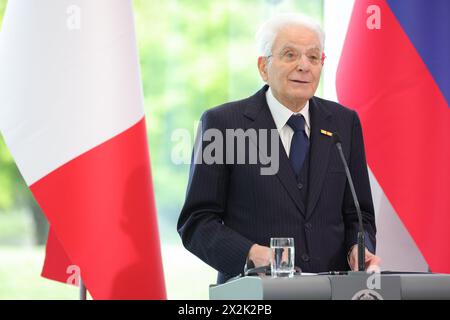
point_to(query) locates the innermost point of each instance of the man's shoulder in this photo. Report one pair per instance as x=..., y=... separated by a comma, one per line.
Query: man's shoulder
x=223, y=115
x=236, y=106
x=229, y=107
x=231, y=111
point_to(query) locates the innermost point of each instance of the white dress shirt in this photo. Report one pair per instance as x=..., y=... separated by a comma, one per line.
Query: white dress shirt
x=281, y=115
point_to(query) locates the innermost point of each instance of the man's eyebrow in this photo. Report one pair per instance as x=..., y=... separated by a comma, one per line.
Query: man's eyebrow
x=313, y=47
x=287, y=46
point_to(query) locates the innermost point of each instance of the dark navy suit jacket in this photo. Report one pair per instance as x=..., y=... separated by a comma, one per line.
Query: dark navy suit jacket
x=230, y=207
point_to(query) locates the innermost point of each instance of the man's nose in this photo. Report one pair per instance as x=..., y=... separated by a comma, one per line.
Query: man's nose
x=303, y=63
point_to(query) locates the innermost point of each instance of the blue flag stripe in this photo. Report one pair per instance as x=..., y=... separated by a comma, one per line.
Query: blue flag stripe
x=427, y=24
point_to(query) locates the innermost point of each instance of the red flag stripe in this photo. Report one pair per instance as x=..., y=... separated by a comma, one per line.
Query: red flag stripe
x=101, y=208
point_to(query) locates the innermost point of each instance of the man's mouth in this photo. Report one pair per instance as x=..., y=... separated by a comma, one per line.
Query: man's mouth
x=299, y=81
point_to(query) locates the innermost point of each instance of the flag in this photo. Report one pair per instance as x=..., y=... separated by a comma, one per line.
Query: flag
x=394, y=71
x=72, y=116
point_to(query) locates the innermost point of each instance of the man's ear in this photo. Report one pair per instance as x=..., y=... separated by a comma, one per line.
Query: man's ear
x=262, y=67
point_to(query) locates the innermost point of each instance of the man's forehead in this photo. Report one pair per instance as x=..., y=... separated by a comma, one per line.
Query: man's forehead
x=297, y=36
x=291, y=45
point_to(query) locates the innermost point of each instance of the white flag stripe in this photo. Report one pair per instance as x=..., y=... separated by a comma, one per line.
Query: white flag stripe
x=93, y=79
x=395, y=245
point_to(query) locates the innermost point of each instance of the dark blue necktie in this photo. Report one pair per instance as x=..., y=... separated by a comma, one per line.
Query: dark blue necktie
x=299, y=143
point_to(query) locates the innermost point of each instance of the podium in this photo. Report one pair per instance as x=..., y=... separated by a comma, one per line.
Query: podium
x=351, y=286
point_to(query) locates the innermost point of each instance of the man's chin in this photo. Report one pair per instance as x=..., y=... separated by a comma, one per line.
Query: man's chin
x=301, y=96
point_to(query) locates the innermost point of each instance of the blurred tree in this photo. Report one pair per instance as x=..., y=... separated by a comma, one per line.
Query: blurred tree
x=8, y=170
x=8, y=176
x=15, y=193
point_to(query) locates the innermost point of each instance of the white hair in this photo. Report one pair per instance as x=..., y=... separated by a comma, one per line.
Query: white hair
x=268, y=31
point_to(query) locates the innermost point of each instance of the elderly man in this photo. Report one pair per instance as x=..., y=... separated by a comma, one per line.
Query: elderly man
x=232, y=210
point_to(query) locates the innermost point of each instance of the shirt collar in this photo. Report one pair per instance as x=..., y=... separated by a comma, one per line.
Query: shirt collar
x=281, y=114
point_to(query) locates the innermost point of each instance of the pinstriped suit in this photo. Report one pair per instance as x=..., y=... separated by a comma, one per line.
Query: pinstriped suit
x=229, y=207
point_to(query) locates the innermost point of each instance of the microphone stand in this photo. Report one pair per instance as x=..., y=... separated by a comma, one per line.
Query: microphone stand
x=361, y=240
x=83, y=290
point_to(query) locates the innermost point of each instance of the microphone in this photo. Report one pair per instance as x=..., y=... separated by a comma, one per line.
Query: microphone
x=361, y=240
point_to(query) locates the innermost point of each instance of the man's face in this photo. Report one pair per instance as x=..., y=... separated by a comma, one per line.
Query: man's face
x=293, y=70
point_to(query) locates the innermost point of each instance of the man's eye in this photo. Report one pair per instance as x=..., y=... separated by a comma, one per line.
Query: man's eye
x=313, y=57
x=290, y=54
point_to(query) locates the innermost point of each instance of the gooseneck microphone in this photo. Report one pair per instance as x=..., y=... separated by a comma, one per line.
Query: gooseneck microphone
x=361, y=240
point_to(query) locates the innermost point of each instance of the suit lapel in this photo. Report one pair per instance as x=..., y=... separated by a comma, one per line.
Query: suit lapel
x=259, y=113
x=321, y=118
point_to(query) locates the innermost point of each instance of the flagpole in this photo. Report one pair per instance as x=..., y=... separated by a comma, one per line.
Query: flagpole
x=82, y=290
